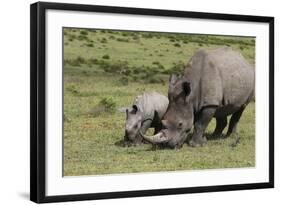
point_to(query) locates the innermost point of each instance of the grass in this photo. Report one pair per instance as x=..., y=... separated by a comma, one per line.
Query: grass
x=96, y=86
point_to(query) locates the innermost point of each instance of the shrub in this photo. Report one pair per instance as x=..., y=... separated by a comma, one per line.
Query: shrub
x=147, y=35
x=123, y=40
x=92, y=61
x=75, y=62
x=136, y=37
x=83, y=32
x=108, y=103
x=90, y=45
x=124, y=80
x=153, y=79
x=177, y=68
x=106, y=57
x=82, y=37
x=155, y=63
x=103, y=40
x=177, y=45
x=80, y=60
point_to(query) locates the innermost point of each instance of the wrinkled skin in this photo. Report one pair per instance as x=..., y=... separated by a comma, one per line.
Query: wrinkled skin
x=133, y=125
x=215, y=84
x=177, y=122
x=146, y=112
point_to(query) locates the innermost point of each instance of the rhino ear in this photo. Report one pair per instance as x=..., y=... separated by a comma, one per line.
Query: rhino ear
x=135, y=109
x=186, y=88
x=123, y=109
x=127, y=112
x=173, y=78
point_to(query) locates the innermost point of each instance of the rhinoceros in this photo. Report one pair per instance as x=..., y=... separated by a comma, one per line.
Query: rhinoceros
x=216, y=83
x=146, y=112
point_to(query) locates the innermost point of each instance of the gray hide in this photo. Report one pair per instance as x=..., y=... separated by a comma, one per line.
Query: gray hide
x=147, y=111
x=216, y=83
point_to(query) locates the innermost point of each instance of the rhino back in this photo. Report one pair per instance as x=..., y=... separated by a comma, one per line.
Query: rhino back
x=222, y=77
x=151, y=102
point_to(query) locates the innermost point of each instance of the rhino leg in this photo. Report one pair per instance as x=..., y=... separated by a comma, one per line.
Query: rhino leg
x=145, y=126
x=234, y=121
x=200, y=125
x=221, y=123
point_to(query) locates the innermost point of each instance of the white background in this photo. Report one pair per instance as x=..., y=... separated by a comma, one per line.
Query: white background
x=56, y=185
x=14, y=103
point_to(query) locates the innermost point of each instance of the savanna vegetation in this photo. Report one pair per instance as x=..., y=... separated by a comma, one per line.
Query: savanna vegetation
x=105, y=70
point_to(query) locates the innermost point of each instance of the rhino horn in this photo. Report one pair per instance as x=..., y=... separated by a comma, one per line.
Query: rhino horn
x=156, y=139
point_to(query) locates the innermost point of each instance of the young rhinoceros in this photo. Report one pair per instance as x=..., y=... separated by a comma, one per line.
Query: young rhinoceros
x=146, y=112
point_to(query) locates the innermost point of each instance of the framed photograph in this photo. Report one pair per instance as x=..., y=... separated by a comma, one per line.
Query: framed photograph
x=129, y=102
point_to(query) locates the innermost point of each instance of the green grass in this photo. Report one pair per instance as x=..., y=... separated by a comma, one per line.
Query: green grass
x=93, y=133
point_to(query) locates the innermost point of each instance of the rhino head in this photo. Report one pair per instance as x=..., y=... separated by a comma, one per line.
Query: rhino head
x=178, y=119
x=133, y=124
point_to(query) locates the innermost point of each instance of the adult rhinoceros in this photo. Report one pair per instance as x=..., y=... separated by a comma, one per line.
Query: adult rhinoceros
x=216, y=83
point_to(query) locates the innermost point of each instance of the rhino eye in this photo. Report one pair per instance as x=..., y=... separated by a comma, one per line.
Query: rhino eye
x=180, y=125
x=136, y=126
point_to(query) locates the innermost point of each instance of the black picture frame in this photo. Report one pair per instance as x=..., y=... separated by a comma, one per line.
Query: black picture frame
x=38, y=103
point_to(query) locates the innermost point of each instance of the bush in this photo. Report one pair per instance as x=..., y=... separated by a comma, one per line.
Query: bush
x=177, y=45
x=106, y=57
x=90, y=45
x=92, y=61
x=177, y=68
x=108, y=103
x=83, y=32
x=103, y=40
x=82, y=37
x=123, y=40
x=124, y=80
x=75, y=62
x=154, y=79
x=136, y=37
x=80, y=60
x=147, y=35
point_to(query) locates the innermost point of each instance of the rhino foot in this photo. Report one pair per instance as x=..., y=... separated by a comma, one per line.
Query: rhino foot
x=198, y=142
